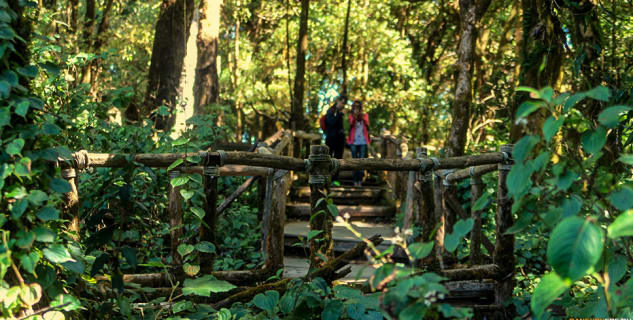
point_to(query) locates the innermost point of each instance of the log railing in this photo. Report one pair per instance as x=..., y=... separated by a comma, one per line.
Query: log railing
x=428, y=180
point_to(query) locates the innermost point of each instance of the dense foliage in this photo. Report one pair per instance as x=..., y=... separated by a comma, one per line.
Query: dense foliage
x=552, y=77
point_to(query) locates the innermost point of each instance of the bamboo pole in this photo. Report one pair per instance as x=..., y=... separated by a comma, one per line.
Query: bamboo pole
x=175, y=219
x=321, y=219
x=504, y=246
x=207, y=228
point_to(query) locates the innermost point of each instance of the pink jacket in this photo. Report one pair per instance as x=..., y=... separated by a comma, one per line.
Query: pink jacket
x=352, y=129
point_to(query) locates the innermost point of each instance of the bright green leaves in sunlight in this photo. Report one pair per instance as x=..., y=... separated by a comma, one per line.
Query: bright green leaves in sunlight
x=550, y=287
x=574, y=247
x=622, y=226
x=203, y=286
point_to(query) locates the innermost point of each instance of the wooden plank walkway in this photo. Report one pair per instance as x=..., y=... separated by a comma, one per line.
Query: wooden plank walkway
x=295, y=267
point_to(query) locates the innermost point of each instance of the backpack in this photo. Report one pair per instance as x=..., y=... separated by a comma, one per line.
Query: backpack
x=322, y=123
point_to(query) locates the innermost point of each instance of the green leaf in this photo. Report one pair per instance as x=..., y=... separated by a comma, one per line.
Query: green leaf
x=37, y=197
x=622, y=199
x=60, y=185
x=626, y=159
x=356, y=311
x=29, y=261
x=198, y=212
x=187, y=194
x=185, y=249
x=622, y=226
x=599, y=93
x=179, y=181
x=179, y=142
x=6, y=33
x=518, y=180
x=523, y=148
x=573, y=100
x=14, y=147
x=68, y=302
x=5, y=89
x=482, y=202
x=571, y=206
x=28, y=71
x=57, y=253
x=266, y=301
x=611, y=115
x=527, y=108
x=205, y=246
x=130, y=255
x=413, y=312
x=420, y=250
x=333, y=310
x=50, y=128
x=25, y=239
x=175, y=164
x=75, y=266
x=594, y=140
x=22, y=168
x=313, y=233
x=5, y=114
x=460, y=229
x=546, y=93
x=205, y=285
x=22, y=108
x=287, y=302
x=574, y=247
x=533, y=92
x=551, y=127
x=524, y=220
x=48, y=213
x=333, y=209
x=18, y=208
x=43, y=234
x=550, y=287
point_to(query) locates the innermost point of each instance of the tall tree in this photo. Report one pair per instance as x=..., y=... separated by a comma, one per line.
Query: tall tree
x=297, y=121
x=470, y=12
x=541, y=57
x=344, y=47
x=168, y=53
x=206, y=86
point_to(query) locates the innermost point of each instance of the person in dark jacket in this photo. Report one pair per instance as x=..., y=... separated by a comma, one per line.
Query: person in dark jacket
x=334, y=132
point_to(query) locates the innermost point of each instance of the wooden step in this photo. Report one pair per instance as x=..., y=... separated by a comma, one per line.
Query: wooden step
x=360, y=211
x=343, y=195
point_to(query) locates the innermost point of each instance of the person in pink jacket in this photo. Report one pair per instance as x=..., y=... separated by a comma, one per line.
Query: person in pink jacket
x=358, y=137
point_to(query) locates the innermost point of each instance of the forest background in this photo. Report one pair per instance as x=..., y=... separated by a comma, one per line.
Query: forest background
x=554, y=77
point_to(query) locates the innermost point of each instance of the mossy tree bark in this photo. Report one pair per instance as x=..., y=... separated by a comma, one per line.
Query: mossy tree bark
x=470, y=14
x=168, y=53
x=206, y=87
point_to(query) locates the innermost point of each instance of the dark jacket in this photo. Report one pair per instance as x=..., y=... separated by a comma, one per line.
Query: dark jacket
x=334, y=124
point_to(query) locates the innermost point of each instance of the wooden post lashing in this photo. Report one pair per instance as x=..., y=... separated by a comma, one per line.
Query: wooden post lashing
x=426, y=219
x=175, y=219
x=503, y=255
x=321, y=245
x=476, y=188
x=207, y=229
x=71, y=202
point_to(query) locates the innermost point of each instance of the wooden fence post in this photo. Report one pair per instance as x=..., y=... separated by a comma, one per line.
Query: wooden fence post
x=476, y=188
x=275, y=219
x=439, y=220
x=175, y=219
x=426, y=219
x=207, y=229
x=321, y=245
x=503, y=255
x=71, y=202
x=409, y=201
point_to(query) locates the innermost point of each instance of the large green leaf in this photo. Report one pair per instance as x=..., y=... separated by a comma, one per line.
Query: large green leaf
x=205, y=285
x=413, y=312
x=550, y=287
x=15, y=147
x=611, y=115
x=179, y=181
x=551, y=127
x=622, y=199
x=622, y=226
x=599, y=93
x=333, y=310
x=60, y=185
x=48, y=213
x=420, y=250
x=523, y=148
x=460, y=229
x=57, y=253
x=593, y=140
x=574, y=247
x=526, y=108
x=266, y=301
x=518, y=180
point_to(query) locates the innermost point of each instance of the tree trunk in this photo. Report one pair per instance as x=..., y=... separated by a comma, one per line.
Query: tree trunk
x=206, y=86
x=297, y=121
x=168, y=52
x=470, y=14
x=344, y=48
x=541, y=58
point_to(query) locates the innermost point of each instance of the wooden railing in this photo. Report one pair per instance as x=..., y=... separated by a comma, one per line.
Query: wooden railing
x=429, y=181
